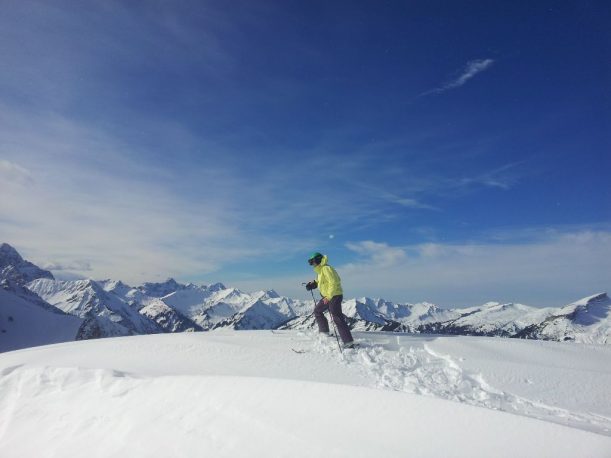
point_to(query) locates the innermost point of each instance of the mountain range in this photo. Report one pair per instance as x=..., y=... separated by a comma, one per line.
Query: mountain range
x=36, y=309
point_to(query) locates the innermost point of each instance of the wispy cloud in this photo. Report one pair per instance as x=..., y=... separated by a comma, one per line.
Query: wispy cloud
x=552, y=268
x=80, y=266
x=555, y=266
x=503, y=177
x=471, y=69
x=91, y=206
x=11, y=171
x=378, y=254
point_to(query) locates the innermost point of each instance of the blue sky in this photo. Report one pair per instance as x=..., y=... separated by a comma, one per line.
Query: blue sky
x=443, y=152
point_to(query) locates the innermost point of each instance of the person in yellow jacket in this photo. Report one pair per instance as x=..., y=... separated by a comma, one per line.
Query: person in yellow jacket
x=330, y=286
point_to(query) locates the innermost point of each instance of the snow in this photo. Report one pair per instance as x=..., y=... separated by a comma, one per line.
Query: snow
x=24, y=324
x=559, y=375
x=248, y=393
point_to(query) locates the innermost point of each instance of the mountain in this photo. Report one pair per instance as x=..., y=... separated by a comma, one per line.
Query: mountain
x=490, y=319
x=15, y=269
x=161, y=289
x=106, y=314
x=169, y=319
x=587, y=320
x=367, y=314
x=113, y=308
x=584, y=321
x=215, y=306
x=15, y=273
x=110, y=308
x=263, y=313
x=25, y=318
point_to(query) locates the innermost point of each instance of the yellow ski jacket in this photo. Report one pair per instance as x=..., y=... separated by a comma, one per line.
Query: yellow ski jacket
x=328, y=280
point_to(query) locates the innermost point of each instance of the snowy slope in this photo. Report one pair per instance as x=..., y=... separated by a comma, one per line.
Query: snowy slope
x=25, y=324
x=249, y=394
x=25, y=318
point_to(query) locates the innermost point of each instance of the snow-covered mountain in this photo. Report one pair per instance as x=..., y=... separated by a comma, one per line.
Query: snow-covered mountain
x=105, y=312
x=585, y=321
x=113, y=308
x=110, y=308
x=490, y=319
x=25, y=318
x=15, y=269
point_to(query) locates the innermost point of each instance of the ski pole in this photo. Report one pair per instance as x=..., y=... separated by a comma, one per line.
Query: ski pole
x=335, y=330
x=332, y=322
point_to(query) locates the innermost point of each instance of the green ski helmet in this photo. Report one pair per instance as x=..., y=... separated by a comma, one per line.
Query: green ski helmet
x=315, y=257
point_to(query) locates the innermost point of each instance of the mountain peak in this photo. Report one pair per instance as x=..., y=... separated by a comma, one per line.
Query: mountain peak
x=8, y=253
x=169, y=282
x=595, y=299
x=272, y=293
x=216, y=287
x=14, y=268
x=161, y=289
x=586, y=303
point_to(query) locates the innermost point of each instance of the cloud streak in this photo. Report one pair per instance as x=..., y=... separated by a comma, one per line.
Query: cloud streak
x=80, y=266
x=11, y=171
x=471, y=69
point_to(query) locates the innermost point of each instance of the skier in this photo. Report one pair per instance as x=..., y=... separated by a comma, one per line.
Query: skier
x=330, y=287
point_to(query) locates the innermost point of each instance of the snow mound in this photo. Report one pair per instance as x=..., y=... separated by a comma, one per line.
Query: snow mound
x=220, y=416
x=250, y=394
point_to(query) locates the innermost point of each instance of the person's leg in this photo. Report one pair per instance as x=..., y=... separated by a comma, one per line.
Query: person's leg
x=335, y=307
x=319, y=314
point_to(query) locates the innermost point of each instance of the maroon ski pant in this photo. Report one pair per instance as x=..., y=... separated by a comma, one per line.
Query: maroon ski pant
x=335, y=307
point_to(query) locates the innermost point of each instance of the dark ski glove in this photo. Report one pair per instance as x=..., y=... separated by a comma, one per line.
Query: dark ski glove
x=311, y=285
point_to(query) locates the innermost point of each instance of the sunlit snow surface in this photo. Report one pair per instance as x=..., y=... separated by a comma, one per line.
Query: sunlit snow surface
x=251, y=393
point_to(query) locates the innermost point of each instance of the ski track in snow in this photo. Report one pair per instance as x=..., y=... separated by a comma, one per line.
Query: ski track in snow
x=420, y=370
